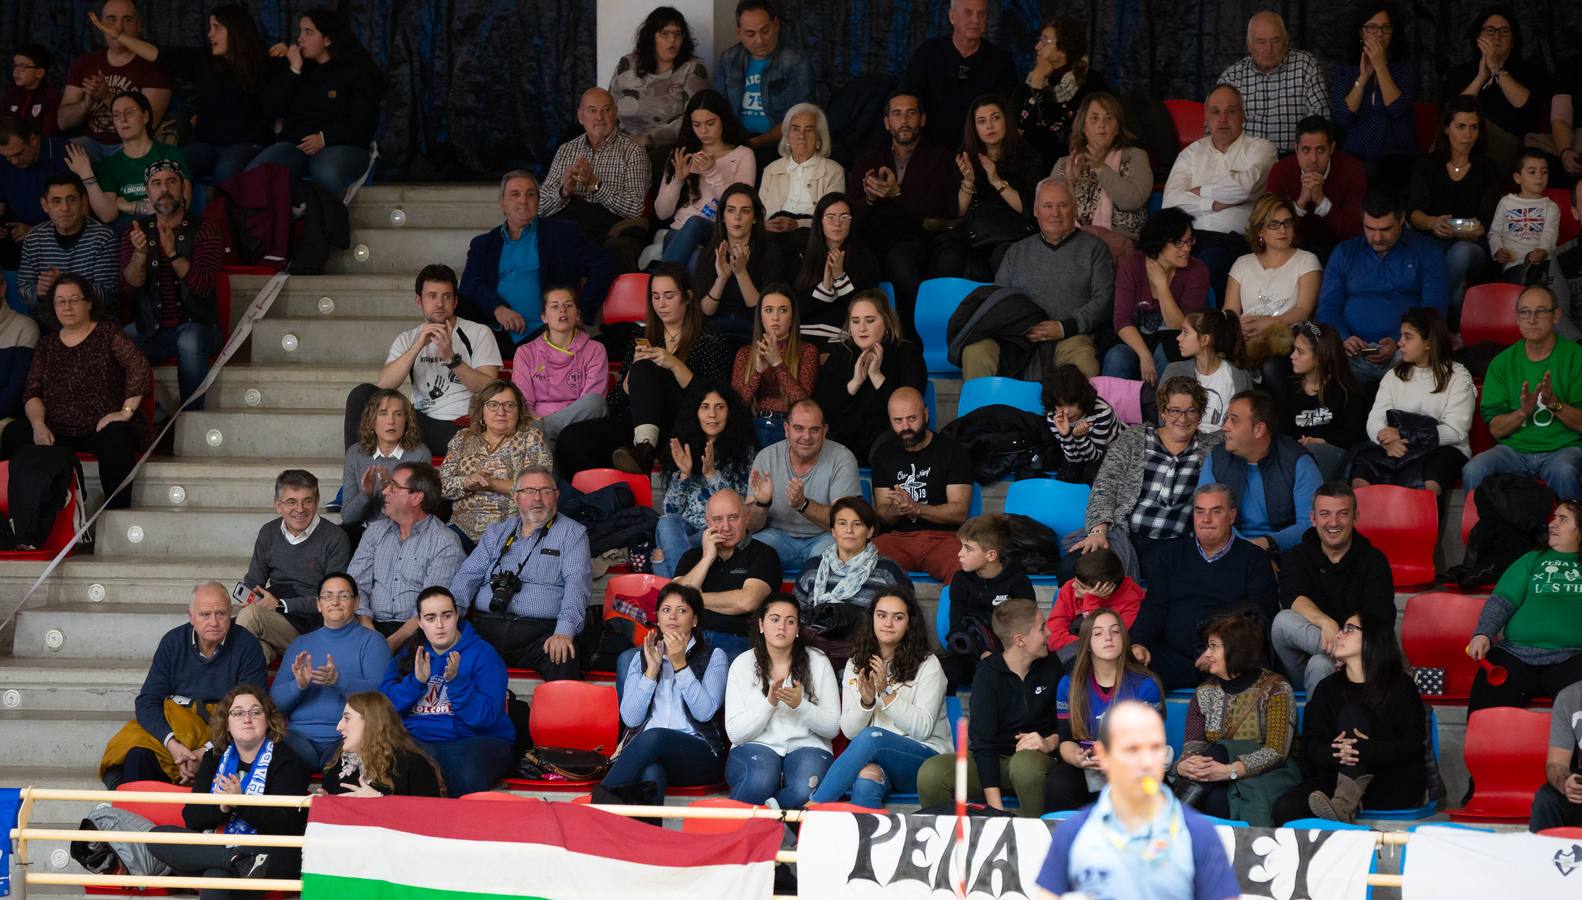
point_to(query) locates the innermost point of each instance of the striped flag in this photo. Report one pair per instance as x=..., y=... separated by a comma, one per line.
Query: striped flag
x=406, y=848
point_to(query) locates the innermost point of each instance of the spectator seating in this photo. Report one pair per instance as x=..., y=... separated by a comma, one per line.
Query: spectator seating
x=1059, y=504
x=1434, y=634
x=627, y=300
x=980, y=392
x=937, y=299
x=571, y=715
x=1469, y=515
x=1124, y=395
x=889, y=291
x=59, y=535
x=1188, y=118
x=1404, y=523
x=1414, y=812
x=635, y=588
x=1569, y=226
x=1505, y=752
x=1480, y=438
x=156, y=813
x=1425, y=121
x=716, y=826
x=1489, y=314
x=942, y=615
x=590, y=480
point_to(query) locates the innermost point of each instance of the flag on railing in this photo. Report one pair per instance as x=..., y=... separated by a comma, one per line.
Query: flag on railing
x=10, y=803
x=405, y=848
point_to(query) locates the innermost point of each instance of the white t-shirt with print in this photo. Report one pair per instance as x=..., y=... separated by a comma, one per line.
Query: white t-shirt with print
x=436, y=391
x=1271, y=292
x=1220, y=387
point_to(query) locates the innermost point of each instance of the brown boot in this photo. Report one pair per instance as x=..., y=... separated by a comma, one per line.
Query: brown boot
x=638, y=460
x=1347, y=800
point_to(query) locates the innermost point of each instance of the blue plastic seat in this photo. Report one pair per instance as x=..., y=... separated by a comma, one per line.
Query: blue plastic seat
x=1234, y=823
x=889, y=291
x=942, y=623
x=937, y=299
x=1415, y=812
x=1059, y=504
x=1060, y=816
x=980, y=392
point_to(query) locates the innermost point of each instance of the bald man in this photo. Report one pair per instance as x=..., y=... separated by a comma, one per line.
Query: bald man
x=95, y=78
x=732, y=571
x=922, y=488
x=598, y=179
x=196, y=664
x=1279, y=86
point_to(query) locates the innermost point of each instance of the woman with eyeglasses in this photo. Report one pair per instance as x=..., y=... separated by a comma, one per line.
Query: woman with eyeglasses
x=482, y=460
x=1373, y=91
x=1510, y=91
x=247, y=755
x=1322, y=406
x=118, y=185
x=1273, y=288
x=833, y=268
x=324, y=666
x=1364, y=731
x=1155, y=288
x=1060, y=81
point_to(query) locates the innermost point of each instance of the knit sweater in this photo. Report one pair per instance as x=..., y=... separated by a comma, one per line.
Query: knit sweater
x=1451, y=408
x=751, y=719
x=551, y=378
x=179, y=670
x=914, y=709
x=1185, y=590
x=1120, y=478
x=93, y=253
x=1073, y=282
x=357, y=507
x=361, y=657
x=1271, y=722
x=293, y=572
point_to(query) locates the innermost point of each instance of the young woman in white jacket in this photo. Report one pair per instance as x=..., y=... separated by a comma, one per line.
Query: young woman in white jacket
x=782, y=708
x=1427, y=382
x=893, y=706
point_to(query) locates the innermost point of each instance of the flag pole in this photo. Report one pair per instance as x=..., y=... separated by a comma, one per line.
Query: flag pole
x=960, y=853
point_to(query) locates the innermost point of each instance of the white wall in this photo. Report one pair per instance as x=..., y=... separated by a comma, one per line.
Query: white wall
x=619, y=21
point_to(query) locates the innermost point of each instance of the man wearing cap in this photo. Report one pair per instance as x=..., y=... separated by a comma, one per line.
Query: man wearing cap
x=170, y=262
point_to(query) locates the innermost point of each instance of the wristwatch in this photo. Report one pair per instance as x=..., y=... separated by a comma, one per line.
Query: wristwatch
x=455, y=361
x=1232, y=771
x=805, y=502
x=765, y=505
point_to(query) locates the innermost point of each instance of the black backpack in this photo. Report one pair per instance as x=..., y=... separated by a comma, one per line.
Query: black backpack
x=1003, y=441
x=1513, y=518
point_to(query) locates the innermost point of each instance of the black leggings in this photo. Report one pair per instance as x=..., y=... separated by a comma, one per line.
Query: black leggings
x=1523, y=682
x=115, y=445
x=654, y=399
x=1066, y=787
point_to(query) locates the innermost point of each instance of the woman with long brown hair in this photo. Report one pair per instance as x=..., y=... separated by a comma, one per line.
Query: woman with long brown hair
x=999, y=173
x=377, y=757
x=863, y=370
x=1322, y=406
x=778, y=368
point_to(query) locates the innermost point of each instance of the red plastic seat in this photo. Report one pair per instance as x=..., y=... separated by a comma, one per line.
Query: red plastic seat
x=1425, y=121
x=573, y=715
x=1480, y=438
x=59, y=534
x=1562, y=832
x=491, y=795
x=1505, y=753
x=1469, y=516
x=157, y=813
x=627, y=300
x=1489, y=314
x=590, y=480
x=716, y=826
x=1570, y=227
x=1434, y=635
x=1404, y=523
x=638, y=588
x=1188, y=116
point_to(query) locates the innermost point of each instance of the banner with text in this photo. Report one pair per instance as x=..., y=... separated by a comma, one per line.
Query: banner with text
x=1446, y=862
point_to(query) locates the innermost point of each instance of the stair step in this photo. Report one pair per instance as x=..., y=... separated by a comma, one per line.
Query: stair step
x=92, y=631
x=71, y=684
x=286, y=385
x=57, y=739
x=241, y=484
x=335, y=340
x=404, y=250
x=307, y=432
x=475, y=206
x=182, y=530
x=122, y=579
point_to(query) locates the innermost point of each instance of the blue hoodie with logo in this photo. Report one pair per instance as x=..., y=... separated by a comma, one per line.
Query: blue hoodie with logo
x=470, y=705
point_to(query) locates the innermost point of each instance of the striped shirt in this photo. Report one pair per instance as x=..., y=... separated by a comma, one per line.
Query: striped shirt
x=1102, y=428
x=92, y=254
x=390, y=572
x=620, y=167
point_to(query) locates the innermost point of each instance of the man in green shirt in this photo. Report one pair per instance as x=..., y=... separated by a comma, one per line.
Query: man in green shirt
x=1529, y=400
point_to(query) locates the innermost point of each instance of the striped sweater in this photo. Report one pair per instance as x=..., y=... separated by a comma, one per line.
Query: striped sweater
x=1090, y=445
x=93, y=256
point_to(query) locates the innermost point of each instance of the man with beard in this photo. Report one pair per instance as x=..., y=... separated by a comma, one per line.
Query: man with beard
x=897, y=191
x=922, y=488
x=170, y=263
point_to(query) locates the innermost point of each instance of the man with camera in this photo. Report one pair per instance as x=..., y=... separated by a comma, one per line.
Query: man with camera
x=528, y=581
x=732, y=571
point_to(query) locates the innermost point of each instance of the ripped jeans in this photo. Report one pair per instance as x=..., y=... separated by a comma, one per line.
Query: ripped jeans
x=756, y=772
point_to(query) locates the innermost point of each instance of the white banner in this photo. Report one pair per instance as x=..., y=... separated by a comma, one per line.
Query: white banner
x=844, y=855
x=1448, y=862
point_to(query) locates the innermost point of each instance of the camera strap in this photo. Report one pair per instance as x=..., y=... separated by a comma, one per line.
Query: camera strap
x=539, y=535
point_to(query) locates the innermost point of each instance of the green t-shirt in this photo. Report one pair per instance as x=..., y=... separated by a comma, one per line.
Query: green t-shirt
x=120, y=174
x=1545, y=586
x=1502, y=393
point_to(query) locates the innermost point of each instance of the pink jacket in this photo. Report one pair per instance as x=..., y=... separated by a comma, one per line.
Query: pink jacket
x=551, y=379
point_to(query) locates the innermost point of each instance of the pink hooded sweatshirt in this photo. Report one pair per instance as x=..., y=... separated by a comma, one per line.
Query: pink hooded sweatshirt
x=551, y=378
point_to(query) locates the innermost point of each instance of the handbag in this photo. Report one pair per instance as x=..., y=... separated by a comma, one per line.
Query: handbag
x=991, y=226
x=1191, y=793
x=563, y=764
x=1430, y=681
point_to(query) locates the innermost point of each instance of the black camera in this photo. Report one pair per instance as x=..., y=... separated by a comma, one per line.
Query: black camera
x=503, y=586
x=972, y=638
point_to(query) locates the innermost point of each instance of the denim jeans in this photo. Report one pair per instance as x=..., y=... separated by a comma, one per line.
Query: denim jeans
x=334, y=168
x=1298, y=645
x=682, y=242
x=212, y=164
x=665, y=755
x=792, y=549
x=734, y=645
x=756, y=772
x=674, y=535
x=190, y=343
x=1369, y=373
x=1463, y=260
x=1121, y=361
x=471, y=764
x=96, y=151
x=897, y=756
x=314, y=754
x=770, y=427
x=1558, y=468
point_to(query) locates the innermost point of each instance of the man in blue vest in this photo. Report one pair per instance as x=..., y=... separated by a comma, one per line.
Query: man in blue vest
x=1271, y=476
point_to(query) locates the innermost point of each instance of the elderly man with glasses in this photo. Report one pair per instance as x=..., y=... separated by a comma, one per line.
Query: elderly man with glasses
x=1530, y=394
x=291, y=556
x=400, y=555
x=528, y=581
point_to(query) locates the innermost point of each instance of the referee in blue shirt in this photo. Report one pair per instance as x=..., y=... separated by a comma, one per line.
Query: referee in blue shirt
x=1136, y=842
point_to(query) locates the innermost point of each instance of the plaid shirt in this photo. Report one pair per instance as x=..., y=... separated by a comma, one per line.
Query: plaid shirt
x=390, y=572
x=1275, y=101
x=620, y=166
x=1163, y=509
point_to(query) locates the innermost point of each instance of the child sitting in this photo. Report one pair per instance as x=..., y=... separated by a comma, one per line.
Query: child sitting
x=985, y=581
x=1099, y=582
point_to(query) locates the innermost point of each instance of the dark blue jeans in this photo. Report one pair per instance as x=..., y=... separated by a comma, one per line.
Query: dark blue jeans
x=314, y=754
x=333, y=168
x=756, y=772
x=191, y=343
x=665, y=756
x=471, y=764
x=897, y=756
x=734, y=645
x=211, y=163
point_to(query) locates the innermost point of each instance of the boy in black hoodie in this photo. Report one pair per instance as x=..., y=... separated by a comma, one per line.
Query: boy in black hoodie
x=985, y=581
x=1012, y=728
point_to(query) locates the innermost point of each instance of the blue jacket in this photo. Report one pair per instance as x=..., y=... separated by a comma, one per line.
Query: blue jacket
x=1365, y=295
x=361, y=658
x=564, y=257
x=470, y=705
x=1213, y=877
x=787, y=81
x=1289, y=477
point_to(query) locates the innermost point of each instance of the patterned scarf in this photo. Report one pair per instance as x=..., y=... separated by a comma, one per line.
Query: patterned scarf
x=850, y=575
x=253, y=786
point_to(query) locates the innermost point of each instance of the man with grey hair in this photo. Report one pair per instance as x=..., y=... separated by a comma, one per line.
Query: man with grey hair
x=597, y=180
x=196, y=664
x=1068, y=274
x=408, y=550
x=1194, y=578
x=528, y=581
x=508, y=267
x=291, y=556
x=948, y=72
x=1279, y=86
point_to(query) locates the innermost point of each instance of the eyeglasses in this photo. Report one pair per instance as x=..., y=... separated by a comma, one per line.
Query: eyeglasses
x=399, y=486
x=340, y=595
x=1184, y=242
x=256, y=712
x=537, y=492
x=71, y=301
x=1351, y=628
x=1176, y=414
x=1535, y=314
x=1378, y=29
x=295, y=503
x=16, y=66
x=837, y=217
x=1496, y=32
x=500, y=405
x=1279, y=224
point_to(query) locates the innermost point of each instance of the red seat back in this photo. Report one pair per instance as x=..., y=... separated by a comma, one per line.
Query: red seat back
x=643, y=589
x=493, y=795
x=627, y=300
x=1569, y=226
x=1505, y=753
x=1425, y=121
x=158, y=813
x=1188, y=116
x=1434, y=635
x=590, y=480
x=1489, y=314
x=715, y=826
x=1404, y=524
x=575, y=715
x=1469, y=515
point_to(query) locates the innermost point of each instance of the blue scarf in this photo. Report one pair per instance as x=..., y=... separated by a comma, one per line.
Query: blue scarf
x=230, y=762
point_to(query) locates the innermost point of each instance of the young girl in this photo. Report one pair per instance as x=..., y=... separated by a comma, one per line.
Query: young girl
x=562, y=374
x=781, y=710
x=778, y=368
x=1321, y=405
x=892, y=706
x=377, y=757
x=711, y=155
x=1081, y=423
x=1526, y=229
x=732, y=265
x=1211, y=342
x=833, y=268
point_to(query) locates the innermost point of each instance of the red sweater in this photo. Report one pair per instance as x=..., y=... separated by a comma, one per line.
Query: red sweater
x=1344, y=187
x=1126, y=600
